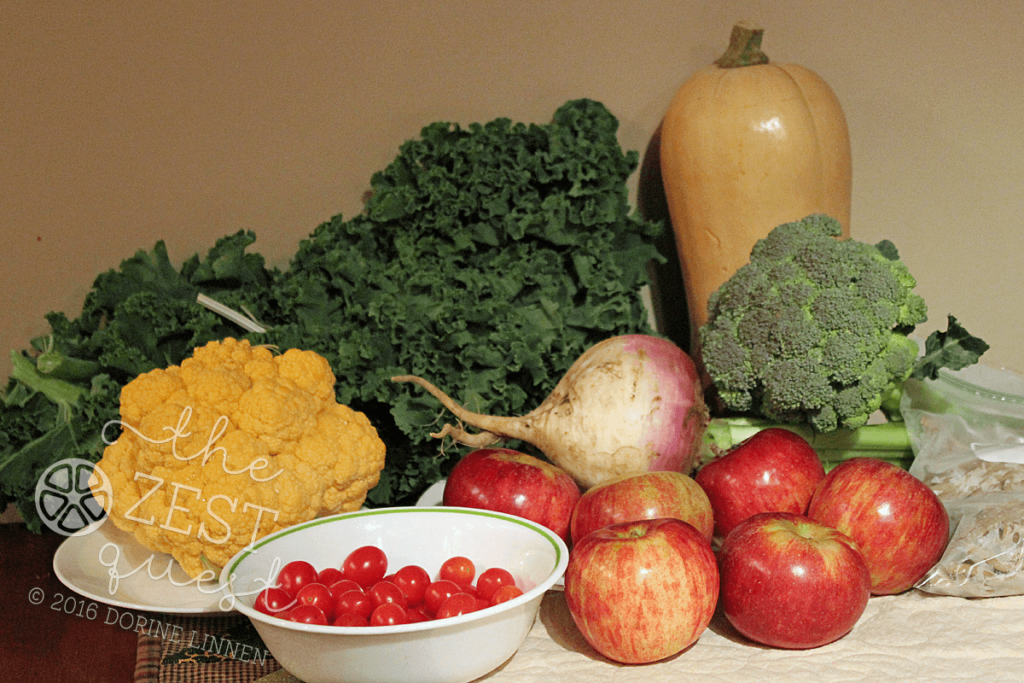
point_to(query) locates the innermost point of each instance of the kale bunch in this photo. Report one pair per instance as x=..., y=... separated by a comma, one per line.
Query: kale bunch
x=488, y=258
x=143, y=315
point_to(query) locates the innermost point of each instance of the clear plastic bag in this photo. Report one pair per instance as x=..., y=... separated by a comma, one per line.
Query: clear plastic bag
x=967, y=431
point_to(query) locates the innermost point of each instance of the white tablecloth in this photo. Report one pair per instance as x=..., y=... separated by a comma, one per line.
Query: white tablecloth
x=909, y=637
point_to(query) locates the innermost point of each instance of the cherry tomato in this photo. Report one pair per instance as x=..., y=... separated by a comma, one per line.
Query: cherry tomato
x=416, y=615
x=349, y=619
x=353, y=602
x=388, y=614
x=413, y=581
x=365, y=565
x=491, y=580
x=459, y=569
x=307, y=614
x=362, y=593
x=460, y=603
x=273, y=601
x=339, y=587
x=505, y=593
x=385, y=591
x=437, y=592
x=319, y=596
x=295, y=575
x=328, y=575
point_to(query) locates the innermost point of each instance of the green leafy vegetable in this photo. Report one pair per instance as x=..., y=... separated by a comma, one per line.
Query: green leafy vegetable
x=489, y=257
x=142, y=316
x=954, y=349
x=63, y=394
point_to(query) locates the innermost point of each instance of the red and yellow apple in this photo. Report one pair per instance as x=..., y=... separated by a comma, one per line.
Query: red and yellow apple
x=898, y=523
x=790, y=582
x=505, y=480
x=642, y=591
x=775, y=470
x=646, y=495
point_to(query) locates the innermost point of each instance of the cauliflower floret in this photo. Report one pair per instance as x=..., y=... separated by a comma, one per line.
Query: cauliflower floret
x=234, y=444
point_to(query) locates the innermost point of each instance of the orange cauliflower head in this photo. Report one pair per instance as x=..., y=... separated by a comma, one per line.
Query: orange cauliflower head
x=234, y=444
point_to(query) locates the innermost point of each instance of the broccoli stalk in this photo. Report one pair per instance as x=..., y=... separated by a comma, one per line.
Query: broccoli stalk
x=886, y=440
x=953, y=349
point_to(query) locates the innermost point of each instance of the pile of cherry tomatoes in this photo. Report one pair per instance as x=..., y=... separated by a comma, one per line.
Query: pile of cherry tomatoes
x=361, y=593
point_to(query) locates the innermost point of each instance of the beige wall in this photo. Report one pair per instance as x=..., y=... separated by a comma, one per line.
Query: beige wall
x=122, y=123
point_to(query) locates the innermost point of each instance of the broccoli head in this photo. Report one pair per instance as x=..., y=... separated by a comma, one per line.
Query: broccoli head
x=813, y=329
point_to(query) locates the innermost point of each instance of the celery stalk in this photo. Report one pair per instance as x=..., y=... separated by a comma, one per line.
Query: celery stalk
x=887, y=441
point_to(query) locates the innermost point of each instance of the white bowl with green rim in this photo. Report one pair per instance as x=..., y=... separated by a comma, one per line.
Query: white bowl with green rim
x=453, y=650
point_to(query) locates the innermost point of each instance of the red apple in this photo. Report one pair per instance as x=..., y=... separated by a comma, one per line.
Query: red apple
x=647, y=495
x=642, y=591
x=504, y=480
x=775, y=470
x=899, y=523
x=790, y=582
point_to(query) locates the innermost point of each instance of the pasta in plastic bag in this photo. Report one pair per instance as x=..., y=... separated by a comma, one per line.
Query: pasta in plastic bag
x=985, y=555
x=967, y=431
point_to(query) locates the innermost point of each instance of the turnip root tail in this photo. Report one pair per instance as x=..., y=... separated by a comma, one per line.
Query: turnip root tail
x=478, y=440
x=494, y=428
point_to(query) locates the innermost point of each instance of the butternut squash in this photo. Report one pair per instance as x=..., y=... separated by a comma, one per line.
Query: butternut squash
x=747, y=145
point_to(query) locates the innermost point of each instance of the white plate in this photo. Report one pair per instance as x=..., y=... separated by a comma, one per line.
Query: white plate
x=433, y=496
x=109, y=566
x=83, y=564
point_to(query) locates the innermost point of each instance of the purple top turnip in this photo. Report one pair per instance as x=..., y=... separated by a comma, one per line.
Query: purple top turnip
x=631, y=403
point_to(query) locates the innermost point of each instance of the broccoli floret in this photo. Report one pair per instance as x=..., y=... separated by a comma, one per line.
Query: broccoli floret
x=813, y=329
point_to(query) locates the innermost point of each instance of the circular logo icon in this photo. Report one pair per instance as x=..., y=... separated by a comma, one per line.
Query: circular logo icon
x=66, y=502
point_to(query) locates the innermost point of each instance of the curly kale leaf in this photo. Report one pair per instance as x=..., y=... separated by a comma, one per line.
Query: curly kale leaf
x=487, y=259
x=138, y=317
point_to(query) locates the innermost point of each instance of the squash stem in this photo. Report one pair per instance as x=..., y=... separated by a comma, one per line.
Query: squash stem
x=744, y=47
